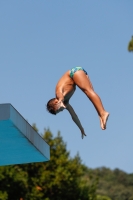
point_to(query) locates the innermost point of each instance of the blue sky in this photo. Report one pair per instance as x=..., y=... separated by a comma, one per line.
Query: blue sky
x=41, y=40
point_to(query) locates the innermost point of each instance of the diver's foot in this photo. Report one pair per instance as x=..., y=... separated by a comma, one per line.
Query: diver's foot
x=103, y=120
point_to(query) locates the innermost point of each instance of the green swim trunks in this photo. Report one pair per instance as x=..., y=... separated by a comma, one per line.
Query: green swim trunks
x=73, y=70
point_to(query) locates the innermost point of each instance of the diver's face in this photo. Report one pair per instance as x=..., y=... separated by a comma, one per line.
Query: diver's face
x=59, y=110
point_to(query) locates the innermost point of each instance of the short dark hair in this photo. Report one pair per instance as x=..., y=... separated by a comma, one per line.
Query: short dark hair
x=51, y=106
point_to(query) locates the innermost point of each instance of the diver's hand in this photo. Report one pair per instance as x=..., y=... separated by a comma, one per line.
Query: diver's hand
x=62, y=104
x=82, y=133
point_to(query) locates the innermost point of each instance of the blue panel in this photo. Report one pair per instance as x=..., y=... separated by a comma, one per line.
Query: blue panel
x=19, y=142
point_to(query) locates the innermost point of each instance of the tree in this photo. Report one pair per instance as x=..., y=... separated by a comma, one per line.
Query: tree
x=130, y=45
x=114, y=184
x=61, y=178
x=13, y=182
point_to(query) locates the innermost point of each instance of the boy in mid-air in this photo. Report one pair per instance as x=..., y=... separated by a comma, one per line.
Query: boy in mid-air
x=66, y=87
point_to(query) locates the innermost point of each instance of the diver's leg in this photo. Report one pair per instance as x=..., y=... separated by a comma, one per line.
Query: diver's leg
x=84, y=83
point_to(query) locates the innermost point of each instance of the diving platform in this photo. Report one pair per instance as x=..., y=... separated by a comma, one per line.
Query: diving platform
x=19, y=142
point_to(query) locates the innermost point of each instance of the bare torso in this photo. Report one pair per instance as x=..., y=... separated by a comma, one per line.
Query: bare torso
x=65, y=87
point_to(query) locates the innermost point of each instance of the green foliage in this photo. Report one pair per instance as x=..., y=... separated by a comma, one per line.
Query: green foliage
x=61, y=178
x=13, y=182
x=63, y=174
x=3, y=195
x=92, y=183
x=130, y=45
x=115, y=184
x=101, y=197
x=34, y=127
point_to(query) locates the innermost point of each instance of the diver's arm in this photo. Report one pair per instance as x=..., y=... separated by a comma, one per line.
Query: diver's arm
x=59, y=95
x=75, y=118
